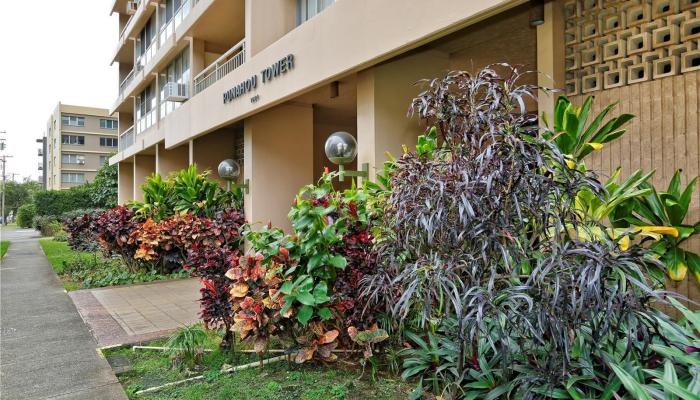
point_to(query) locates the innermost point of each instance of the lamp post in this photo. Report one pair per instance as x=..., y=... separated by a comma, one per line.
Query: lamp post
x=229, y=170
x=341, y=148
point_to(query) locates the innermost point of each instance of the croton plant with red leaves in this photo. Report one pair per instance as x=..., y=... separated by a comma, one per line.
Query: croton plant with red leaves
x=210, y=264
x=114, y=228
x=255, y=298
x=167, y=241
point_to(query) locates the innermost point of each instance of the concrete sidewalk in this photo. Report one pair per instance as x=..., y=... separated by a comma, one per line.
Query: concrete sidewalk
x=46, y=352
x=137, y=313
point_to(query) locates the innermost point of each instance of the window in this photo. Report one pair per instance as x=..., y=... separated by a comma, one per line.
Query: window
x=144, y=50
x=307, y=9
x=73, y=139
x=72, y=120
x=72, y=158
x=104, y=160
x=73, y=177
x=108, y=124
x=145, y=108
x=178, y=72
x=108, y=142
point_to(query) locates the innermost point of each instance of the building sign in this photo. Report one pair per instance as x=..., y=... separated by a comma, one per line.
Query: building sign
x=268, y=74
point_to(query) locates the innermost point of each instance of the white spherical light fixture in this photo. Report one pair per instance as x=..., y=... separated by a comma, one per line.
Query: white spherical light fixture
x=341, y=148
x=229, y=170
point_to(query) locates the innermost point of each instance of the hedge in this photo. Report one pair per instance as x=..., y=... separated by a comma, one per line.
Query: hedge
x=57, y=202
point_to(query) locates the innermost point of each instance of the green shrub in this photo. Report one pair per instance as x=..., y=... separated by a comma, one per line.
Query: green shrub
x=57, y=202
x=60, y=236
x=48, y=225
x=25, y=215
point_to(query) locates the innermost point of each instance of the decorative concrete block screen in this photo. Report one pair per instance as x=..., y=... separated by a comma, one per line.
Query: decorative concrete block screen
x=611, y=44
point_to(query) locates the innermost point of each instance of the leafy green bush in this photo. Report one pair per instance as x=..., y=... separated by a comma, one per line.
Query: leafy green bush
x=48, y=225
x=25, y=215
x=185, y=192
x=57, y=202
x=61, y=236
x=103, y=190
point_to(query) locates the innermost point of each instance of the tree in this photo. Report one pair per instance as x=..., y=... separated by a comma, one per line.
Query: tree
x=18, y=194
x=103, y=190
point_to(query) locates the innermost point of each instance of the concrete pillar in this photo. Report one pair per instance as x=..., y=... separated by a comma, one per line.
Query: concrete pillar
x=209, y=150
x=550, y=55
x=278, y=154
x=172, y=160
x=144, y=165
x=384, y=94
x=125, y=183
x=266, y=21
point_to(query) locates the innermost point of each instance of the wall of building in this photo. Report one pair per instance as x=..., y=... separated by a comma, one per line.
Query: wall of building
x=664, y=137
x=278, y=161
x=211, y=149
x=173, y=160
x=144, y=166
x=641, y=55
x=326, y=122
x=125, y=181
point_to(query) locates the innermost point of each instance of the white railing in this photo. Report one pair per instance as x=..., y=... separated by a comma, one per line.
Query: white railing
x=126, y=82
x=229, y=61
x=170, y=27
x=146, y=121
x=126, y=139
x=148, y=54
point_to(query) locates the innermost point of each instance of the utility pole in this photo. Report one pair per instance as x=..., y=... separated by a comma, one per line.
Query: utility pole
x=3, y=159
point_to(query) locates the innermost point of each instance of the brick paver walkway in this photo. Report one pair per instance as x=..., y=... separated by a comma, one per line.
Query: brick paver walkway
x=130, y=314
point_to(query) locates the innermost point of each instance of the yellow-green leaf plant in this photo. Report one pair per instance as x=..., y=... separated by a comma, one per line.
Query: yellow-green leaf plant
x=575, y=136
x=665, y=213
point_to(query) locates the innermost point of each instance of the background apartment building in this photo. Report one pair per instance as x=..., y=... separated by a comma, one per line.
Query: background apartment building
x=78, y=141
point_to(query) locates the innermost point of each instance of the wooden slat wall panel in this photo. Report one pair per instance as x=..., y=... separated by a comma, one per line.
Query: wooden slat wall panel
x=665, y=136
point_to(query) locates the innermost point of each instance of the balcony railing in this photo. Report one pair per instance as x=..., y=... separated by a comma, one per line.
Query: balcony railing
x=146, y=121
x=126, y=82
x=170, y=27
x=229, y=61
x=140, y=4
x=146, y=56
x=126, y=139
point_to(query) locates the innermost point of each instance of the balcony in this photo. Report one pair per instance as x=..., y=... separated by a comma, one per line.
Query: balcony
x=40, y=152
x=139, y=16
x=156, y=54
x=229, y=61
x=126, y=139
x=171, y=26
x=41, y=167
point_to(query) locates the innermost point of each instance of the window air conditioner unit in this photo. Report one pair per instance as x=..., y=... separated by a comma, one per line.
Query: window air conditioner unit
x=81, y=162
x=175, y=92
x=131, y=7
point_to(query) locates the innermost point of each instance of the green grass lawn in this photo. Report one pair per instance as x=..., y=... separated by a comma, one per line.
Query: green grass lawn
x=277, y=381
x=4, y=244
x=59, y=253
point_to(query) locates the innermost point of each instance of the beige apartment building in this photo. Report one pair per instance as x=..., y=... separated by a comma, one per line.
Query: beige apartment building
x=266, y=81
x=78, y=141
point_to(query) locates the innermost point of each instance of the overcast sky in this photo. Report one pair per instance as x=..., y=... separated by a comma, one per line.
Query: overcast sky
x=51, y=51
